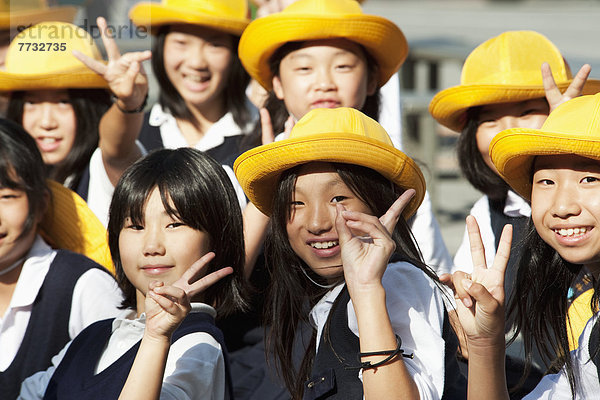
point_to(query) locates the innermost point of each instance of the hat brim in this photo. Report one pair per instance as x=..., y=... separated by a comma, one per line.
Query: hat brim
x=70, y=224
x=514, y=150
x=154, y=16
x=25, y=18
x=449, y=106
x=379, y=36
x=258, y=170
x=80, y=78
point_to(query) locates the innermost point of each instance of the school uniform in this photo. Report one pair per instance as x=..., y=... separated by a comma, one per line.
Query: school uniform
x=417, y=315
x=196, y=366
x=57, y=295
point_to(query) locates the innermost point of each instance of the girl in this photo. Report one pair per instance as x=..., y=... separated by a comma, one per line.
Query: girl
x=558, y=168
x=169, y=209
x=318, y=53
x=46, y=296
x=202, y=101
x=328, y=250
x=63, y=105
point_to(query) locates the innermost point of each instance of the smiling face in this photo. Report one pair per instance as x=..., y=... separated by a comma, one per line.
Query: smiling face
x=160, y=247
x=323, y=74
x=49, y=118
x=197, y=61
x=494, y=118
x=565, y=207
x=311, y=227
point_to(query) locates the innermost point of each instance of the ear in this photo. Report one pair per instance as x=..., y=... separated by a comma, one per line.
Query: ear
x=277, y=87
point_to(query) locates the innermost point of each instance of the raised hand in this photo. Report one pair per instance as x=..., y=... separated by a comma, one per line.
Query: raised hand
x=480, y=296
x=575, y=89
x=365, y=256
x=167, y=305
x=124, y=74
x=268, y=135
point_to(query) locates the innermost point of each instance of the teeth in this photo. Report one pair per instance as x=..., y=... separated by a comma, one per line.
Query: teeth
x=196, y=78
x=49, y=140
x=571, y=231
x=324, y=245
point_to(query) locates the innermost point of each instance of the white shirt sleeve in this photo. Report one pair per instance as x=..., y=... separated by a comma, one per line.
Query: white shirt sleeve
x=462, y=259
x=236, y=185
x=428, y=235
x=35, y=386
x=416, y=312
x=96, y=296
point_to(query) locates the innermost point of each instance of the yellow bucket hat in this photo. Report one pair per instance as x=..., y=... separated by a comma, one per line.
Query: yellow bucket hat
x=70, y=224
x=321, y=19
x=40, y=57
x=230, y=16
x=17, y=13
x=503, y=69
x=573, y=128
x=339, y=135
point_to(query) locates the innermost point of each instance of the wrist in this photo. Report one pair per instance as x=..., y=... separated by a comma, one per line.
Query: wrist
x=130, y=106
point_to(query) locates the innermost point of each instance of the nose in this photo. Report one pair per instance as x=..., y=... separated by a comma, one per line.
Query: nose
x=319, y=219
x=325, y=80
x=47, y=118
x=565, y=202
x=195, y=57
x=153, y=242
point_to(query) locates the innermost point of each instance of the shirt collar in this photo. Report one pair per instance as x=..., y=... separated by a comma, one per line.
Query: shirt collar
x=128, y=318
x=516, y=206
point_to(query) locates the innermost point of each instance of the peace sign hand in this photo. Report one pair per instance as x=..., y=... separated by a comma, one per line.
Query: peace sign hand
x=124, y=74
x=575, y=89
x=167, y=305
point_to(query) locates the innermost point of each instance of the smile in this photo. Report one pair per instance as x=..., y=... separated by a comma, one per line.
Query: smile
x=324, y=245
x=572, y=232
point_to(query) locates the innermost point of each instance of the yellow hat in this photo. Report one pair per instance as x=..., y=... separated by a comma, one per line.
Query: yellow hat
x=503, y=69
x=70, y=224
x=230, y=16
x=41, y=57
x=573, y=128
x=338, y=135
x=17, y=13
x=321, y=19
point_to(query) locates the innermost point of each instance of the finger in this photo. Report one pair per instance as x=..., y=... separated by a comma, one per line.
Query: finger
x=95, y=65
x=446, y=279
x=475, y=242
x=208, y=281
x=553, y=93
x=391, y=217
x=168, y=303
x=575, y=89
x=112, y=50
x=174, y=293
x=458, y=279
x=154, y=284
x=289, y=124
x=366, y=224
x=482, y=296
x=188, y=276
x=503, y=252
x=344, y=234
x=267, y=127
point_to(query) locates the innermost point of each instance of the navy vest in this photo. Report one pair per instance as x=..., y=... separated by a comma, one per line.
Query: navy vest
x=335, y=372
x=75, y=379
x=48, y=328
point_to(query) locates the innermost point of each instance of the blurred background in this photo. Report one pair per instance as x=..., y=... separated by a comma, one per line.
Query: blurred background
x=441, y=33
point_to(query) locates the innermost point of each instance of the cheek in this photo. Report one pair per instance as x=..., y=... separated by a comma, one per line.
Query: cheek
x=484, y=138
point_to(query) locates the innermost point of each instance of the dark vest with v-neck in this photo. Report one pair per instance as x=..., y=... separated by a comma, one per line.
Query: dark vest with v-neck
x=48, y=327
x=75, y=379
x=335, y=369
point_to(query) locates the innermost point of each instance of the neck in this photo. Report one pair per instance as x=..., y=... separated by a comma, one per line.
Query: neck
x=203, y=118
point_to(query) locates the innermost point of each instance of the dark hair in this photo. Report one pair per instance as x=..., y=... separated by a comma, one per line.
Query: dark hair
x=89, y=105
x=22, y=168
x=291, y=294
x=196, y=189
x=276, y=107
x=471, y=163
x=234, y=92
x=538, y=308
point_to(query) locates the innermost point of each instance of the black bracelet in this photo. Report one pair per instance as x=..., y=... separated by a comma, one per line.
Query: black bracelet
x=390, y=353
x=115, y=100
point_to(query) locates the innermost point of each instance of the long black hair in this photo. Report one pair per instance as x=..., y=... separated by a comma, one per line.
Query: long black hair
x=234, y=92
x=196, y=189
x=22, y=168
x=89, y=105
x=538, y=308
x=276, y=107
x=291, y=293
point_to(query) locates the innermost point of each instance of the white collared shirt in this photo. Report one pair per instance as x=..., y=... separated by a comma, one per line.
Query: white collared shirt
x=96, y=296
x=515, y=206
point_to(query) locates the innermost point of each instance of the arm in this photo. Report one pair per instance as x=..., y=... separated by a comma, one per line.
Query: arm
x=165, y=307
x=128, y=82
x=365, y=259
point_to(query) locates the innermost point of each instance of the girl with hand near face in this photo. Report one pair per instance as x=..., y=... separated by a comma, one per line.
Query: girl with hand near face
x=339, y=245
x=65, y=106
x=557, y=167
x=174, y=223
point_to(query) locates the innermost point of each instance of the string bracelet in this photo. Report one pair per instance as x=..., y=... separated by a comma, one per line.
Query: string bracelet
x=115, y=100
x=390, y=353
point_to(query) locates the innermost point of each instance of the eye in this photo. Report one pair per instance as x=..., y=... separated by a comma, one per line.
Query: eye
x=590, y=179
x=338, y=199
x=134, y=227
x=296, y=203
x=545, y=182
x=175, y=224
x=531, y=111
